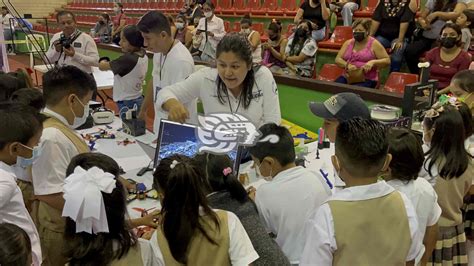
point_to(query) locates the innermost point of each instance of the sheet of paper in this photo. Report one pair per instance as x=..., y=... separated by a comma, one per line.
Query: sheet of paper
x=130, y=163
x=103, y=78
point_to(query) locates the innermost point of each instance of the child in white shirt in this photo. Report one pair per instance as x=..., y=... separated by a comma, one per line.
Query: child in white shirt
x=18, y=150
x=465, y=21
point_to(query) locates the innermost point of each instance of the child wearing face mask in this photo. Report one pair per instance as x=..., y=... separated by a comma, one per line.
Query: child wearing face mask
x=300, y=51
x=67, y=91
x=183, y=33
x=450, y=165
x=291, y=193
x=369, y=222
x=253, y=37
x=19, y=148
x=465, y=21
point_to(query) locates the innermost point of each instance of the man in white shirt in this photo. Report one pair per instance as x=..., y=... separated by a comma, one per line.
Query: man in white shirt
x=71, y=46
x=292, y=193
x=338, y=108
x=9, y=24
x=212, y=29
x=368, y=222
x=19, y=140
x=67, y=91
x=172, y=63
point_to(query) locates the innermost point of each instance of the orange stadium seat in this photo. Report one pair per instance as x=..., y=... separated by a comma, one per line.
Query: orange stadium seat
x=340, y=35
x=366, y=12
x=330, y=72
x=396, y=81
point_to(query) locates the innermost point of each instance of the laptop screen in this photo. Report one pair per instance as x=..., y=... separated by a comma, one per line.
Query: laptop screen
x=177, y=138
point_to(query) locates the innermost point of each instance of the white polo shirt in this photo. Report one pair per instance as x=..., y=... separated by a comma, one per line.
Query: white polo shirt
x=49, y=170
x=216, y=26
x=170, y=69
x=241, y=251
x=320, y=240
x=264, y=106
x=285, y=203
x=86, y=54
x=13, y=210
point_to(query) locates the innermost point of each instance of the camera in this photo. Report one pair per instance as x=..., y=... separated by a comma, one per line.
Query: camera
x=65, y=42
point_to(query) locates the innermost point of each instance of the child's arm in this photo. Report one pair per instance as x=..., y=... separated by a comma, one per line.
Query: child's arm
x=54, y=200
x=429, y=241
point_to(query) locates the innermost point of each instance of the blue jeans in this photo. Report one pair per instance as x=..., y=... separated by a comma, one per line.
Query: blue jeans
x=396, y=57
x=367, y=83
x=319, y=35
x=129, y=104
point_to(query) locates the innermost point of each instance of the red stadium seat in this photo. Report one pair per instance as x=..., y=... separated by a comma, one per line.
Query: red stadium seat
x=272, y=8
x=254, y=7
x=396, y=81
x=290, y=29
x=225, y=7
x=340, y=35
x=289, y=7
x=239, y=7
x=227, y=26
x=330, y=72
x=366, y=12
x=259, y=28
x=236, y=27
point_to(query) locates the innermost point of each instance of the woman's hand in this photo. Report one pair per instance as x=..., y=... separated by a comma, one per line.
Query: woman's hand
x=368, y=66
x=351, y=67
x=210, y=34
x=176, y=111
x=397, y=45
x=148, y=234
x=152, y=220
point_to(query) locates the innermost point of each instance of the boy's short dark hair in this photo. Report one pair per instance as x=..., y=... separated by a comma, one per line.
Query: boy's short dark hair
x=465, y=80
x=18, y=122
x=15, y=243
x=361, y=146
x=283, y=151
x=469, y=13
x=133, y=36
x=63, y=81
x=154, y=22
x=65, y=13
x=407, y=154
x=29, y=96
x=8, y=85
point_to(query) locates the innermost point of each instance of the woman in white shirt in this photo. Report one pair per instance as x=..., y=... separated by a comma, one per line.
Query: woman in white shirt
x=235, y=87
x=190, y=230
x=212, y=29
x=253, y=37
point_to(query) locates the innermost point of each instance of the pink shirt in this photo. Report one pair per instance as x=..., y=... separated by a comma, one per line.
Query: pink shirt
x=360, y=58
x=444, y=71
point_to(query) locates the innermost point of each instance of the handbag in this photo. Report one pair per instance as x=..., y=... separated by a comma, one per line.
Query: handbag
x=355, y=76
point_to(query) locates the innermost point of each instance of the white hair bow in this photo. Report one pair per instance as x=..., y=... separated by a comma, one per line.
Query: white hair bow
x=84, y=203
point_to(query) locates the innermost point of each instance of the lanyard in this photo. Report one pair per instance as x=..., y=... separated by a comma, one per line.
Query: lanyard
x=162, y=64
x=230, y=105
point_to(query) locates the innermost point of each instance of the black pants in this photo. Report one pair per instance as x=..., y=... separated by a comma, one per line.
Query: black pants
x=414, y=50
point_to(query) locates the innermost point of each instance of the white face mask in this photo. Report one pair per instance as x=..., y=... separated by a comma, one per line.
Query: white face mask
x=208, y=14
x=79, y=121
x=23, y=162
x=179, y=25
x=245, y=31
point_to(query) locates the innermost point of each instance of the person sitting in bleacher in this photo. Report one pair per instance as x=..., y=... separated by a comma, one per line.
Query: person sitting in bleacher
x=317, y=14
x=466, y=22
x=274, y=49
x=212, y=29
x=449, y=58
x=431, y=21
x=348, y=7
x=462, y=87
x=361, y=57
x=103, y=28
x=119, y=22
x=183, y=33
x=254, y=38
x=300, y=51
x=392, y=24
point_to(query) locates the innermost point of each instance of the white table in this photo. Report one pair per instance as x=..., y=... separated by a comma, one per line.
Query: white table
x=104, y=79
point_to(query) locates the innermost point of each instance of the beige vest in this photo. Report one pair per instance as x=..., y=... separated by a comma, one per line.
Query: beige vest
x=133, y=258
x=48, y=216
x=200, y=250
x=371, y=232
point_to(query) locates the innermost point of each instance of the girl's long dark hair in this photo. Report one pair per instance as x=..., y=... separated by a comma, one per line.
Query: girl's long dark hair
x=440, y=5
x=297, y=39
x=214, y=166
x=239, y=45
x=102, y=248
x=447, y=144
x=184, y=195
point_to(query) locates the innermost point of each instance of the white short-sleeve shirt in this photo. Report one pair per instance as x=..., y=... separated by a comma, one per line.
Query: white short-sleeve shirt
x=285, y=203
x=241, y=251
x=49, y=170
x=13, y=210
x=320, y=243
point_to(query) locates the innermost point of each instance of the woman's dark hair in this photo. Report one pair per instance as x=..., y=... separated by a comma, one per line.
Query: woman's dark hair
x=246, y=20
x=275, y=26
x=366, y=24
x=407, y=154
x=298, y=40
x=15, y=245
x=465, y=80
x=8, y=85
x=29, y=96
x=120, y=5
x=467, y=119
x=442, y=5
x=184, y=195
x=102, y=248
x=105, y=16
x=214, y=166
x=209, y=4
x=469, y=13
x=447, y=144
x=456, y=28
x=240, y=46
x=133, y=36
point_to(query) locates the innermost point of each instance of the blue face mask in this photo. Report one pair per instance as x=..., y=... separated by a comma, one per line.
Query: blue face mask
x=25, y=162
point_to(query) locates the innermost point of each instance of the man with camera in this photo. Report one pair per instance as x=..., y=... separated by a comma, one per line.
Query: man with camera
x=71, y=46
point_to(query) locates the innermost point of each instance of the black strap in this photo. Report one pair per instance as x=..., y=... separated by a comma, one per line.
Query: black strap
x=205, y=27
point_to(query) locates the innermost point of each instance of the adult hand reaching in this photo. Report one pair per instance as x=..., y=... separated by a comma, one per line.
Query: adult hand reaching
x=176, y=111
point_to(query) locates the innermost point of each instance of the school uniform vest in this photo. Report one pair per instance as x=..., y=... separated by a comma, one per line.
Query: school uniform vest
x=371, y=232
x=48, y=216
x=133, y=257
x=200, y=250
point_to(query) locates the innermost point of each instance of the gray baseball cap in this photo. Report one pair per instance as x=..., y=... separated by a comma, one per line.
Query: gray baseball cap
x=342, y=106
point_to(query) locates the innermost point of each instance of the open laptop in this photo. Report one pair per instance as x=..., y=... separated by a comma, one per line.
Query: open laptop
x=177, y=138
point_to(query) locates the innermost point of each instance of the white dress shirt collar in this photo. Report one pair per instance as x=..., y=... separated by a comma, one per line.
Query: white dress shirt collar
x=372, y=191
x=7, y=168
x=56, y=115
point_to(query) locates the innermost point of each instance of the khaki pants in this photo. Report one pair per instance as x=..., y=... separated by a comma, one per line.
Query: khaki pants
x=27, y=192
x=52, y=247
